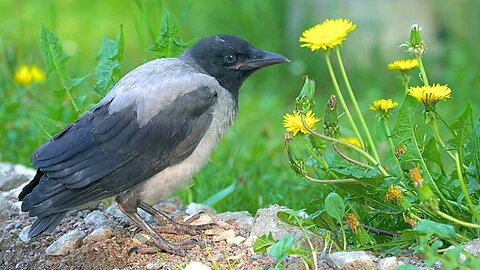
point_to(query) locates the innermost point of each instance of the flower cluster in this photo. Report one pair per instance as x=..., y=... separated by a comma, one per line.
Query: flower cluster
x=393, y=194
x=25, y=75
x=327, y=35
x=293, y=122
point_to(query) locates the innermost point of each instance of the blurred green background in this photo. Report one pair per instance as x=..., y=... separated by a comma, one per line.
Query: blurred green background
x=249, y=169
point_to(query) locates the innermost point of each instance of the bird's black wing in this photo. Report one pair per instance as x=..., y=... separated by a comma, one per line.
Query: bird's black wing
x=102, y=154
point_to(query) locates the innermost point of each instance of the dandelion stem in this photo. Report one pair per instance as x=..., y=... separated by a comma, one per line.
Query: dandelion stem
x=351, y=146
x=430, y=178
x=75, y=107
x=349, y=159
x=333, y=181
x=342, y=100
x=457, y=221
x=422, y=70
x=464, y=187
x=355, y=104
x=321, y=161
x=392, y=146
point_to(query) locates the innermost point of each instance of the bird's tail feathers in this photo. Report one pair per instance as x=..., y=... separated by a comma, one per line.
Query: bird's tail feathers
x=45, y=224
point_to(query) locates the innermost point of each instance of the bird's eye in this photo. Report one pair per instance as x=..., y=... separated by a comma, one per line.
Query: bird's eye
x=230, y=58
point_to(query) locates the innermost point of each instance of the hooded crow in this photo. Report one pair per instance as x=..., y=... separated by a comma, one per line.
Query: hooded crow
x=150, y=134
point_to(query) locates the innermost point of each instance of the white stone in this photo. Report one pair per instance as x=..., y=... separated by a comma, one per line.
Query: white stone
x=194, y=208
x=98, y=235
x=388, y=263
x=65, y=244
x=197, y=266
x=351, y=260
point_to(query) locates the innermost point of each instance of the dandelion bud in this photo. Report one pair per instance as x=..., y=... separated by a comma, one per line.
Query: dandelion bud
x=415, y=45
x=304, y=101
x=425, y=193
x=330, y=121
x=294, y=158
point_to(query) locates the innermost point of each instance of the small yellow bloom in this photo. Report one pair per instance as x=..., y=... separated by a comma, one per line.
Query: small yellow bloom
x=293, y=122
x=430, y=94
x=416, y=176
x=37, y=74
x=25, y=75
x=352, y=221
x=383, y=105
x=351, y=140
x=393, y=194
x=403, y=65
x=326, y=35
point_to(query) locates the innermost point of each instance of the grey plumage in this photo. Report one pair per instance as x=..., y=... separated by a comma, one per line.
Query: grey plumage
x=151, y=133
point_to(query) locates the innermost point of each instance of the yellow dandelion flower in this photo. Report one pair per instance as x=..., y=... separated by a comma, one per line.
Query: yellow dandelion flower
x=430, y=94
x=352, y=221
x=403, y=65
x=23, y=75
x=383, y=105
x=326, y=35
x=37, y=74
x=416, y=176
x=393, y=194
x=351, y=140
x=293, y=122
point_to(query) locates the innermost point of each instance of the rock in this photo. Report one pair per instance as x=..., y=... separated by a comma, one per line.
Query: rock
x=68, y=242
x=3, y=201
x=12, y=175
x=243, y=219
x=98, y=235
x=388, y=263
x=24, y=234
x=267, y=222
x=197, y=266
x=472, y=247
x=203, y=219
x=194, y=208
x=351, y=260
x=97, y=218
x=142, y=238
x=154, y=265
x=115, y=212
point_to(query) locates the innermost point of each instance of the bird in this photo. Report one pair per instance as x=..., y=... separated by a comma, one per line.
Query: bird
x=150, y=134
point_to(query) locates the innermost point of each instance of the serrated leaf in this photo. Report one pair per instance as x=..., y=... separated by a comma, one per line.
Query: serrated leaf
x=263, y=243
x=432, y=228
x=370, y=177
x=472, y=155
x=277, y=250
x=168, y=43
x=46, y=125
x=335, y=206
x=110, y=58
x=74, y=82
x=52, y=51
x=460, y=129
x=432, y=154
x=324, y=221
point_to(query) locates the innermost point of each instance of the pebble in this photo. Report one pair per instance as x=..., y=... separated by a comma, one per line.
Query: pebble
x=13, y=175
x=68, y=242
x=242, y=219
x=24, y=234
x=154, y=265
x=351, y=260
x=388, y=263
x=197, y=266
x=194, y=208
x=98, y=235
x=203, y=219
x=96, y=218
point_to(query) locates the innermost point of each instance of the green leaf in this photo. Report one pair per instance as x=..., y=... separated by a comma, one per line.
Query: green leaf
x=263, y=243
x=431, y=153
x=168, y=43
x=323, y=220
x=404, y=131
x=215, y=198
x=370, y=177
x=74, y=82
x=460, y=129
x=277, y=250
x=53, y=53
x=110, y=58
x=335, y=206
x=46, y=125
x=432, y=228
x=406, y=267
x=472, y=155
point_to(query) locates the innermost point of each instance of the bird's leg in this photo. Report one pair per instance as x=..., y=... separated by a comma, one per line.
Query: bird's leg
x=175, y=227
x=128, y=204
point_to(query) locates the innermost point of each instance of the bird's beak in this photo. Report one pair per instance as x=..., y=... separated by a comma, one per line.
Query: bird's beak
x=265, y=58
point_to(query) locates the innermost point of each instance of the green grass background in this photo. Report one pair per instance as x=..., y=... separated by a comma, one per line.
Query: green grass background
x=250, y=159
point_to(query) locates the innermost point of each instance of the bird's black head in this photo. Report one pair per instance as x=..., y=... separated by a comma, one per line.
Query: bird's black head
x=231, y=59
